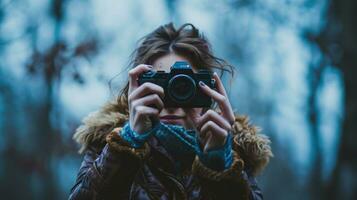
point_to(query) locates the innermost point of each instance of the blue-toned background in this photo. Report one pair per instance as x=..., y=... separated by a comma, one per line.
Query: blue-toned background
x=296, y=78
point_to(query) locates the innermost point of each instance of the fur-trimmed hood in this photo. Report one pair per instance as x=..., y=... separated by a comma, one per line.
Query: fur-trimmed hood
x=252, y=146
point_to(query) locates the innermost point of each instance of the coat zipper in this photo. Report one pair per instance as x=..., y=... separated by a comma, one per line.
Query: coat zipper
x=180, y=187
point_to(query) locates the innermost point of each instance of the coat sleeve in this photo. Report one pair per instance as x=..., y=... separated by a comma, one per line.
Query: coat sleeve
x=255, y=192
x=109, y=172
x=251, y=153
x=232, y=183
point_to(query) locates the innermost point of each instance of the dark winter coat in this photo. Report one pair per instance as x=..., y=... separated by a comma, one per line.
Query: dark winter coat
x=111, y=169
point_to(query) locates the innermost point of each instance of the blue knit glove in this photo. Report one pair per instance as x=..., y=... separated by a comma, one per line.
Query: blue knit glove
x=135, y=139
x=217, y=159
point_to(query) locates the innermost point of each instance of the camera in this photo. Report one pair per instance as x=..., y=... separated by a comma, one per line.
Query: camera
x=181, y=85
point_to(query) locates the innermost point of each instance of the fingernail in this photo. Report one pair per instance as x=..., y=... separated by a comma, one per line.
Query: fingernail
x=150, y=66
x=215, y=74
x=201, y=83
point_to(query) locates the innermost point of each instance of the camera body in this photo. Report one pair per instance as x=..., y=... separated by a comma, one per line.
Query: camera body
x=181, y=85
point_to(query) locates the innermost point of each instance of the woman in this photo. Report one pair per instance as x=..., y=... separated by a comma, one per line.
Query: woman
x=135, y=148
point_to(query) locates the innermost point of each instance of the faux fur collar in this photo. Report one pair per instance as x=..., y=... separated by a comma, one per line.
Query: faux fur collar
x=252, y=146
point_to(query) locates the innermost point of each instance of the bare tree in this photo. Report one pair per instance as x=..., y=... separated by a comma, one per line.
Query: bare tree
x=338, y=42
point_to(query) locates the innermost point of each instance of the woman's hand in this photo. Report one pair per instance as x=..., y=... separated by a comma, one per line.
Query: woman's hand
x=144, y=101
x=213, y=128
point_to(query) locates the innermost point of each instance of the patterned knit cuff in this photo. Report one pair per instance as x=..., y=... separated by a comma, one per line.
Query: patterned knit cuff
x=118, y=144
x=135, y=139
x=217, y=159
x=234, y=172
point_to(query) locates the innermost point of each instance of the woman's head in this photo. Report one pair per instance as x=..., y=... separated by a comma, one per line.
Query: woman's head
x=165, y=45
x=185, y=41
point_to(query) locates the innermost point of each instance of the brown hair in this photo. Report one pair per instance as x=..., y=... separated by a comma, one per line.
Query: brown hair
x=184, y=41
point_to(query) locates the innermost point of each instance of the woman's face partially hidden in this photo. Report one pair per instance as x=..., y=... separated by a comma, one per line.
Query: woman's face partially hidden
x=173, y=115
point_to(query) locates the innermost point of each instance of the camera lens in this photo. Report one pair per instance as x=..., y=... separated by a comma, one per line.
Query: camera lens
x=181, y=88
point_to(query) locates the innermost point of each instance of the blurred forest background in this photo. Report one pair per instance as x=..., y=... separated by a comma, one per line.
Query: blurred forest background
x=296, y=62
